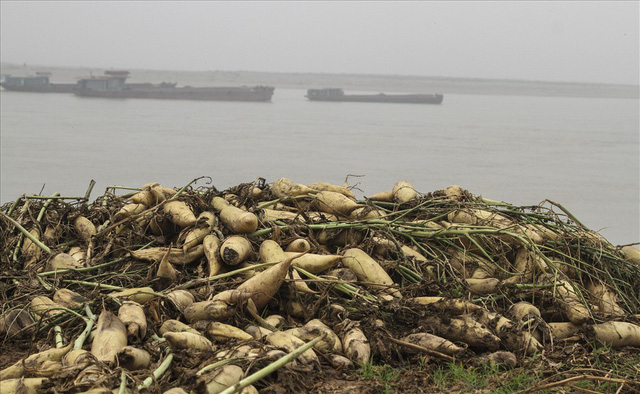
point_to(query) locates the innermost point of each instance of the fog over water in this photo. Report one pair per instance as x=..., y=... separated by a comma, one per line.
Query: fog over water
x=578, y=41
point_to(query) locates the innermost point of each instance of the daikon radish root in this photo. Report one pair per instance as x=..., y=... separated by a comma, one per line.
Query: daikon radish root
x=403, y=192
x=211, y=246
x=141, y=295
x=175, y=390
x=329, y=344
x=244, y=351
x=570, y=303
x=356, y=346
x=339, y=362
x=151, y=194
x=563, y=330
x=44, y=307
x=77, y=253
x=483, y=286
x=205, y=224
x=68, y=298
x=631, y=254
x=509, y=333
x=172, y=325
x=472, y=266
x=382, y=196
x=29, y=248
x=368, y=270
x=465, y=329
x=321, y=217
x=315, y=263
x=133, y=358
x=366, y=212
x=287, y=341
x=432, y=342
x=63, y=261
x=500, y=358
x=296, y=309
x=208, y=310
x=188, y=340
x=160, y=225
x=129, y=210
x=605, y=299
x=453, y=192
x=181, y=298
x=132, y=316
x=523, y=311
x=284, y=187
x=84, y=227
x=335, y=203
x=220, y=332
x=346, y=237
x=165, y=269
x=479, y=217
x=235, y=249
x=455, y=306
x=34, y=362
x=22, y=386
x=271, y=215
x=176, y=256
x=235, y=219
x=271, y=252
x=257, y=332
x=261, y=287
x=51, y=235
x=179, y=213
x=78, y=357
x=276, y=320
x=616, y=333
x=109, y=338
x=13, y=321
x=527, y=264
x=298, y=245
x=299, y=284
x=220, y=379
x=323, y=186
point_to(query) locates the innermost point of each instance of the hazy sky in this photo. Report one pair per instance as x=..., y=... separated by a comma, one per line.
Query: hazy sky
x=578, y=41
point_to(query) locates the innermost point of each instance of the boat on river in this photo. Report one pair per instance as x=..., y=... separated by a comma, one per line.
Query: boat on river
x=334, y=94
x=38, y=83
x=113, y=85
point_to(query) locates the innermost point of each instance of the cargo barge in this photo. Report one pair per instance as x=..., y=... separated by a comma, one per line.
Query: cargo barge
x=334, y=94
x=38, y=83
x=113, y=85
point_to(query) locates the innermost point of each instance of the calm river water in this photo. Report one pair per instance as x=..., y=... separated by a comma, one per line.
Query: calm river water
x=580, y=152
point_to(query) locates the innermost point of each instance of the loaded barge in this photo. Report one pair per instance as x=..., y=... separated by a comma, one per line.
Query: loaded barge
x=334, y=94
x=38, y=83
x=113, y=85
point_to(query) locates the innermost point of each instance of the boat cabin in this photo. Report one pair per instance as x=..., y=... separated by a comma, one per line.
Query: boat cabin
x=330, y=92
x=30, y=81
x=102, y=84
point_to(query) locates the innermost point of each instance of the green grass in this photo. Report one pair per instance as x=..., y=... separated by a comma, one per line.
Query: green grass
x=385, y=374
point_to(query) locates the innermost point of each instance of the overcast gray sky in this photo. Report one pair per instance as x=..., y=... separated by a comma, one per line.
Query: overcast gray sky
x=577, y=41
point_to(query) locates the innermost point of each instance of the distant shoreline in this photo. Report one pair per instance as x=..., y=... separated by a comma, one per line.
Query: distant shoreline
x=349, y=82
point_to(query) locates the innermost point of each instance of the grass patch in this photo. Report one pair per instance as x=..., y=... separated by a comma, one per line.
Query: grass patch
x=384, y=374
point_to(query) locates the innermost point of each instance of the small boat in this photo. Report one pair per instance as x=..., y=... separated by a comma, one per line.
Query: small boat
x=333, y=94
x=113, y=85
x=38, y=83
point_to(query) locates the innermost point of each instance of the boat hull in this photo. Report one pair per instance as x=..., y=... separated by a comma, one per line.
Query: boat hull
x=384, y=98
x=50, y=88
x=259, y=94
